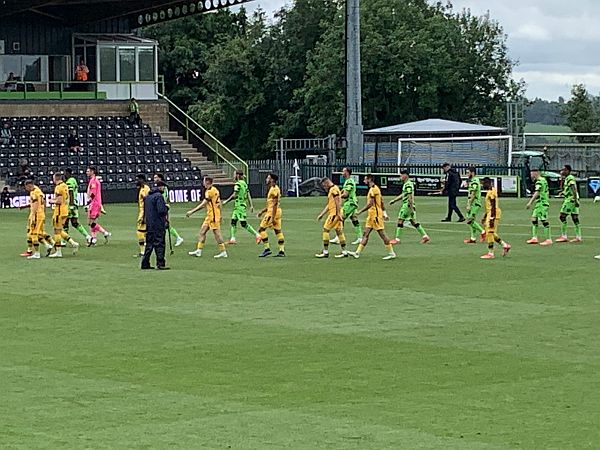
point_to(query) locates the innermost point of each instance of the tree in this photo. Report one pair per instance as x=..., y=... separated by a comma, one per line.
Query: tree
x=580, y=111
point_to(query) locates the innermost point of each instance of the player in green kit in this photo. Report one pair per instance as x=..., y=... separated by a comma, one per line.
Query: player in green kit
x=541, y=198
x=172, y=231
x=350, y=206
x=473, y=207
x=407, y=210
x=570, y=206
x=242, y=197
x=73, y=217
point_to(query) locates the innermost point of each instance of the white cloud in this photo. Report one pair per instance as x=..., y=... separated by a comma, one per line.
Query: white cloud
x=533, y=32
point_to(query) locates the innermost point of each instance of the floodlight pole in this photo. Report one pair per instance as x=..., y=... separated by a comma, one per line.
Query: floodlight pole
x=354, y=125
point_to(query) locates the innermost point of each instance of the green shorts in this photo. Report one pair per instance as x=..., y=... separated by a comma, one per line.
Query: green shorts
x=240, y=213
x=568, y=207
x=473, y=211
x=541, y=212
x=406, y=214
x=348, y=210
x=73, y=212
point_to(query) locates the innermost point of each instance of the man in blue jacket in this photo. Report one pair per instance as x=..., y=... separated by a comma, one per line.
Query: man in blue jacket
x=155, y=218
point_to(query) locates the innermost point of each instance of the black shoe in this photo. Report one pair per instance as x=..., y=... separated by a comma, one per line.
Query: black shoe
x=462, y=219
x=446, y=220
x=266, y=252
x=147, y=268
x=163, y=268
x=279, y=255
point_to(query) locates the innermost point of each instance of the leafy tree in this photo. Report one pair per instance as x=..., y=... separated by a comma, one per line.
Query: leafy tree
x=581, y=112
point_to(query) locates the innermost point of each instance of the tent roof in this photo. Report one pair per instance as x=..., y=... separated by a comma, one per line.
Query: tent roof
x=435, y=126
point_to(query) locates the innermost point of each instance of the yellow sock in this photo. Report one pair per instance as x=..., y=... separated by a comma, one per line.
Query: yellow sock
x=200, y=245
x=342, y=241
x=281, y=241
x=221, y=247
x=389, y=248
x=360, y=248
x=57, y=240
x=265, y=239
x=141, y=237
x=65, y=236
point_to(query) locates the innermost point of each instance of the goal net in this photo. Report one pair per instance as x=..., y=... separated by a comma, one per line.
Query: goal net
x=480, y=150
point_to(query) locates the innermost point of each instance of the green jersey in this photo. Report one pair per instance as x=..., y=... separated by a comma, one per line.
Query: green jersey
x=541, y=187
x=73, y=187
x=350, y=188
x=475, y=191
x=408, y=189
x=241, y=191
x=166, y=194
x=568, y=188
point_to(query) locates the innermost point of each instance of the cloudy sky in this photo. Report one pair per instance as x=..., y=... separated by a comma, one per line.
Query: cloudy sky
x=556, y=42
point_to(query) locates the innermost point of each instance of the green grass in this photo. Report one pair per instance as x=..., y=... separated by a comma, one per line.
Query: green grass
x=435, y=350
x=544, y=128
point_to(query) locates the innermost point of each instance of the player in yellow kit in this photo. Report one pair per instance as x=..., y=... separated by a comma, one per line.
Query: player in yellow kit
x=36, y=233
x=212, y=203
x=334, y=221
x=143, y=191
x=59, y=217
x=492, y=216
x=271, y=218
x=375, y=219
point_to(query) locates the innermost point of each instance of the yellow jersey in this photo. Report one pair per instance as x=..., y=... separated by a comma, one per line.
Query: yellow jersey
x=492, y=195
x=62, y=190
x=273, y=199
x=213, y=205
x=37, y=197
x=142, y=194
x=375, y=211
x=334, y=192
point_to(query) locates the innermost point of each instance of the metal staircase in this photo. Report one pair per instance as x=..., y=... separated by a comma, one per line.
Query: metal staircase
x=198, y=145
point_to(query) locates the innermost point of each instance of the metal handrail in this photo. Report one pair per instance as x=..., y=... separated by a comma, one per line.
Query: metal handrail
x=220, y=150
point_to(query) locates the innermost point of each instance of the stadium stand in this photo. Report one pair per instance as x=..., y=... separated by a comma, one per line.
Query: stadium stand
x=117, y=149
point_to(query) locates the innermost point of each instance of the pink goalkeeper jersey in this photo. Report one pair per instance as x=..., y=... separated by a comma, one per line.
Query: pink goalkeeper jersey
x=95, y=190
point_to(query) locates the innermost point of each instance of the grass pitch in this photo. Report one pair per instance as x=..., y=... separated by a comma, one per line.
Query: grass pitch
x=434, y=350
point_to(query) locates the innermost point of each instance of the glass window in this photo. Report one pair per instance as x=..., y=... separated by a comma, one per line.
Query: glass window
x=32, y=68
x=127, y=63
x=146, y=62
x=10, y=65
x=108, y=64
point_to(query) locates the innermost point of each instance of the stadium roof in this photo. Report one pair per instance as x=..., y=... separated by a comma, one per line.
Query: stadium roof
x=140, y=12
x=435, y=126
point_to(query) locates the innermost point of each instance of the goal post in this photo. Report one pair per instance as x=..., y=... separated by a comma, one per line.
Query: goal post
x=476, y=150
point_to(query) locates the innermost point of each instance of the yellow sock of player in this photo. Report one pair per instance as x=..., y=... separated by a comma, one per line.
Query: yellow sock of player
x=389, y=248
x=29, y=245
x=360, y=248
x=281, y=241
x=265, y=239
x=343, y=241
x=57, y=240
x=221, y=248
x=200, y=245
x=325, y=240
x=491, y=238
x=141, y=241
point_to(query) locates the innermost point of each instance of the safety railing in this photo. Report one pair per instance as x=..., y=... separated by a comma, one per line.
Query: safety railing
x=193, y=132
x=73, y=90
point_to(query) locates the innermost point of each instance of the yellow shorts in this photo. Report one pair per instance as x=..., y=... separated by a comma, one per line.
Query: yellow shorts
x=36, y=227
x=214, y=223
x=141, y=225
x=489, y=228
x=58, y=221
x=376, y=223
x=333, y=223
x=267, y=223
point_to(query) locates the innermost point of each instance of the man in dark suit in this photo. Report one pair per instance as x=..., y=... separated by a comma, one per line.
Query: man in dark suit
x=451, y=188
x=155, y=218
